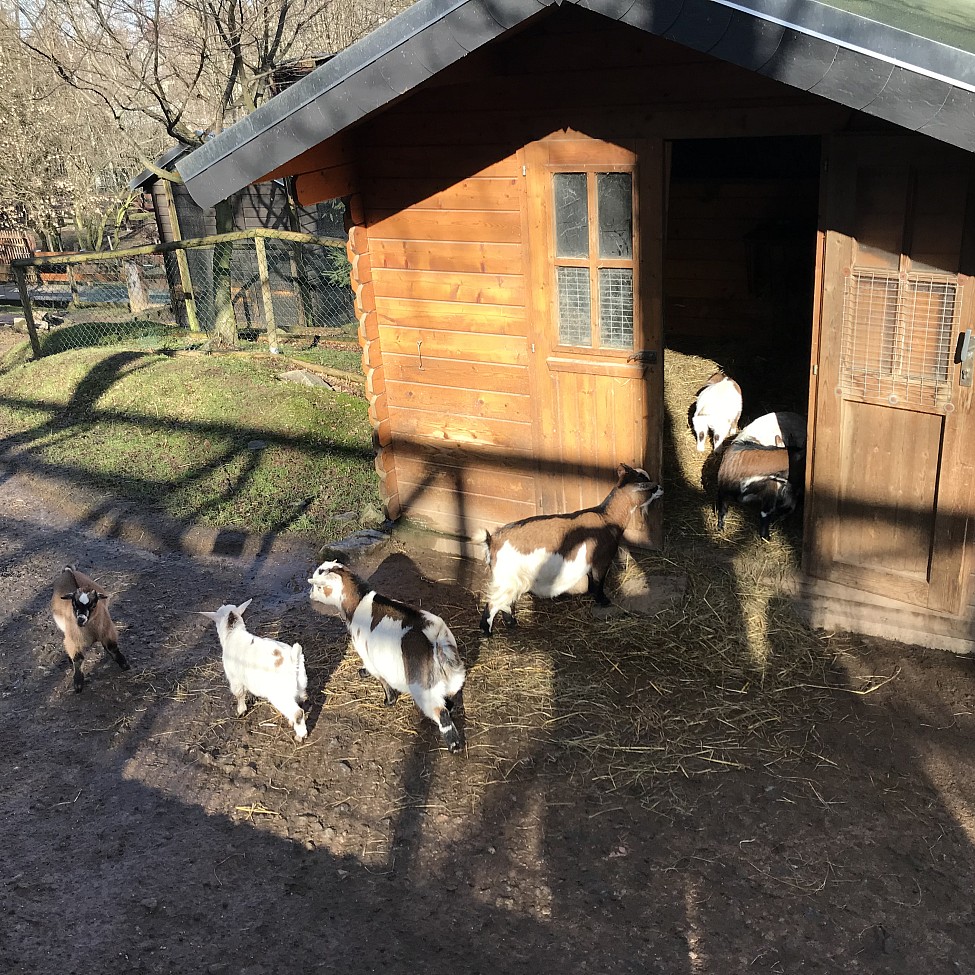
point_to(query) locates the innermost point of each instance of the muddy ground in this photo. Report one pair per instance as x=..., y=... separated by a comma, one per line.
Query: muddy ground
x=148, y=829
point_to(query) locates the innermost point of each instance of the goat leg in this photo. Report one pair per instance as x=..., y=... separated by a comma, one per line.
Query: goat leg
x=722, y=509
x=597, y=590
x=116, y=655
x=389, y=692
x=79, y=677
x=448, y=729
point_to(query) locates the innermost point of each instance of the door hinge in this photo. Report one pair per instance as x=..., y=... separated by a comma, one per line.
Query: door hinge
x=524, y=170
x=815, y=368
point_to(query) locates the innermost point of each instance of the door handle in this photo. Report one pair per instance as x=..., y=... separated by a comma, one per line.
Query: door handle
x=966, y=356
x=645, y=356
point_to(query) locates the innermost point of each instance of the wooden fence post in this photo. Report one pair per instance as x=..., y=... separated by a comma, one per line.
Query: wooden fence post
x=20, y=274
x=266, y=296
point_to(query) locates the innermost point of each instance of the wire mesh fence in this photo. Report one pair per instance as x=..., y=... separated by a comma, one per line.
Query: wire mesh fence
x=265, y=285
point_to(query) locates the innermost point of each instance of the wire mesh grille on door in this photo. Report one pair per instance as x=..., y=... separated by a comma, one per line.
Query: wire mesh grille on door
x=897, y=338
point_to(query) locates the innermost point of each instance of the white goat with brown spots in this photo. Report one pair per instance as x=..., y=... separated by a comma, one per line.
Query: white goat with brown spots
x=258, y=665
x=80, y=611
x=407, y=650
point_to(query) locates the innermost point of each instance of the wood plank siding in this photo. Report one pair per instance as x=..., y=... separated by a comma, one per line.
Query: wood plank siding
x=446, y=315
x=443, y=186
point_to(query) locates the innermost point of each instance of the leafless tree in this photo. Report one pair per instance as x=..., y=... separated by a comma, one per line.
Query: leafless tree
x=192, y=67
x=61, y=160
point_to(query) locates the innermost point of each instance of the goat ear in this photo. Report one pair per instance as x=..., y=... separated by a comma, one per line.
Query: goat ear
x=243, y=606
x=69, y=596
x=621, y=470
x=101, y=595
x=209, y=616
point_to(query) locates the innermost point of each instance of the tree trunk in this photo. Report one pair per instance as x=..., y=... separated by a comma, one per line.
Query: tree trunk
x=224, y=324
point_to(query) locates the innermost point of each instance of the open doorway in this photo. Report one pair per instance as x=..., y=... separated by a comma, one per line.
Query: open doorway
x=739, y=274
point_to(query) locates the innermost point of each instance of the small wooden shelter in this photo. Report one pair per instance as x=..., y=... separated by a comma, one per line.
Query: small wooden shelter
x=542, y=196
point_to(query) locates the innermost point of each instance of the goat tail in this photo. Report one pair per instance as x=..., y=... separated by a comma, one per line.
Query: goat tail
x=482, y=536
x=301, y=675
x=448, y=661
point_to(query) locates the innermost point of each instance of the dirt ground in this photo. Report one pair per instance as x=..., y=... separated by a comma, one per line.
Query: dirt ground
x=148, y=829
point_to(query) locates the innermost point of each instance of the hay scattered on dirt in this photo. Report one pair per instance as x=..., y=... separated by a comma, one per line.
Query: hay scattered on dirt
x=725, y=677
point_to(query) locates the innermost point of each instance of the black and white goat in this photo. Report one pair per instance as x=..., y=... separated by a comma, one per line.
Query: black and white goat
x=261, y=666
x=779, y=429
x=407, y=650
x=80, y=611
x=549, y=555
x=717, y=411
x=772, y=476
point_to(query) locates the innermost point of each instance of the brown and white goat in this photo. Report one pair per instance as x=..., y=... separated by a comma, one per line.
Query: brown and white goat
x=716, y=410
x=80, y=612
x=772, y=476
x=407, y=650
x=549, y=555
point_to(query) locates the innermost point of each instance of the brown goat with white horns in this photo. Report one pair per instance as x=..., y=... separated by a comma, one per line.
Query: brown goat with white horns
x=80, y=611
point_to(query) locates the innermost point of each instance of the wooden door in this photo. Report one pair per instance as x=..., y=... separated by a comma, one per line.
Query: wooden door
x=889, y=507
x=596, y=235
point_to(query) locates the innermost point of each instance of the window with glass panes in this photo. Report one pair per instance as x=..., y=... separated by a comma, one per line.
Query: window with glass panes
x=594, y=258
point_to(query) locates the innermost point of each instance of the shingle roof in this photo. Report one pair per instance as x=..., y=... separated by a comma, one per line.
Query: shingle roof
x=912, y=77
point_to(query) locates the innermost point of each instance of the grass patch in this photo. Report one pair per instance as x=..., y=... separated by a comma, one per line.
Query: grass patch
x=214, y=439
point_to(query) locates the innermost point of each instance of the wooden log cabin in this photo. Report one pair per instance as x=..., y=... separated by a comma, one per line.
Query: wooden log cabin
x=543, y=196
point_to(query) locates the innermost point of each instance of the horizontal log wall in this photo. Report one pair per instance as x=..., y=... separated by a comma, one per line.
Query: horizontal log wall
x=442, y=182
x=449, y=282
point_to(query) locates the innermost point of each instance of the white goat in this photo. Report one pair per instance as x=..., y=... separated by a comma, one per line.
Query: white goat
x=780, y=429
x=549, y=555
x=263, y=667
x=407, y=650
x=717, y=410
x=80, y=612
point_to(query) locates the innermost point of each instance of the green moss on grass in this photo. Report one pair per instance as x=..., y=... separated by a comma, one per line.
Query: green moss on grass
x=215, y=439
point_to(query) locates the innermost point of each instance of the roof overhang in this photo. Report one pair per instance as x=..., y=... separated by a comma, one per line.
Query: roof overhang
x=912, y=81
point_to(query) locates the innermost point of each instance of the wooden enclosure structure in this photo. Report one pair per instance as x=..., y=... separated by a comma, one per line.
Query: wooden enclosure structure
x=535, y=219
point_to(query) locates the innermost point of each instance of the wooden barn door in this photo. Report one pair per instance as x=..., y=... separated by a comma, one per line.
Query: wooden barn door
x=890, y=502
x=596, y=232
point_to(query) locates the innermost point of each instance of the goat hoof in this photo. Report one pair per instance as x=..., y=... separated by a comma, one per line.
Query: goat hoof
x=363, y=672
x=125, y=665
x=79, y=685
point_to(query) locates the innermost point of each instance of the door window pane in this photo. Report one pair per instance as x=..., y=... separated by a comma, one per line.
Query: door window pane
x=616, y=307
x=571, y=215
x=574, y=306
x=615, y=220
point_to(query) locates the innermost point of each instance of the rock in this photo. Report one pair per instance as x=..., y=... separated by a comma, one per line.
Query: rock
x=355, y=544
x=371, y=515
x=304, y=378
x=256, y=444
